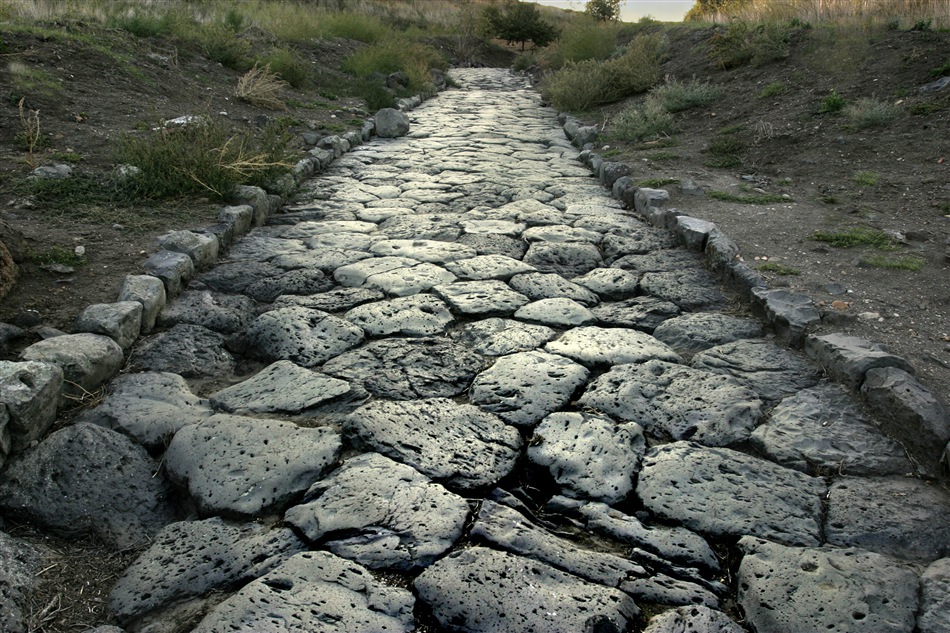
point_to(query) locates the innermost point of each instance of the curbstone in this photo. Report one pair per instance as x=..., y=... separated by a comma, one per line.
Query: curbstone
x=693, y=232
x=87, y=360
x=174, y=269
x=789, y=313
x=391, y=123
x=120, y=321
x=256, y=198
x=148, y=291
x=848, y=358
x=720, y=250
x=201, y=248
x=29, y=394
x=240, y=216
x=646, y=198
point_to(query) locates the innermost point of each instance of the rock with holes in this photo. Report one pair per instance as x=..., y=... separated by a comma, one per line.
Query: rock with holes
x=313, y=587
x=110, y=489
x=848, y=358
x=655, y=261
x=480, y=590
x=558, y=312
x=491, y=266
x=200, y=247
x=692, y=333
x=174, y=269
x=537, y=286
x=222, y=313
x=601, y=347
x=306, y=337
x=191, y=558
x=432, y=251
x=568, y=260
x=635, y=241
x=718, y=412
x=418, y=315
x=191, y=351
x=934, y=614
x=337, y=300
x=820, y=589
x=149, y=407
x=663, y=589
x=235, y=277
x=87, y=360
x=240, y=466
x=692, y=619
x=499, y=337
x=147, y=290
x=487, y=298
x=424, y=226
x=767, y=369
x=522, y=388
x=381, y=514
x=641, y=313
x=456, y=444
x=300, y=281
x=406, y=369
x=610, y=284
x=823, y=430
x=398, y=276
x=29, y=395
x=901, y=517
x=19, y=564
x=391, y=123
x=121, y=321
x=589, y=456
x=691, y=290
x=722, y=492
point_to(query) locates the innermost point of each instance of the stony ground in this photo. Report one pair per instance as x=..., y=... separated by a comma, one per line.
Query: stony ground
x=454, y=386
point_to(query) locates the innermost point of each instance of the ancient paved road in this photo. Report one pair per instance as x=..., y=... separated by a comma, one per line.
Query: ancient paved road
x=549, y=418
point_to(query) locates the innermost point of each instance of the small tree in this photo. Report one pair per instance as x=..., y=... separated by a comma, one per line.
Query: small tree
x=520, y=22
x=604, y=10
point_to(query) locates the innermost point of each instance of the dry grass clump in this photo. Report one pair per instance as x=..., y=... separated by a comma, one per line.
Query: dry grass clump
x=260, y=86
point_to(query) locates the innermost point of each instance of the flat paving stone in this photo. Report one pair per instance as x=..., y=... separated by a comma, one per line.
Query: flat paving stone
x=191, y=351
x=495, y=245
x=551, y=286
x=692, y=333
x=721, y=492
x=417, y=315
x=658, y=261
x=398, y=276
x=596, y=347
x=692, y=619
x=489, y=298
x=558, y=312
x=499, y=337
x=455, y=444
x=610, y=284
x=431, y=251
x=568, y=260
x=216, y=311
x=691, y=290
x=336, y=300
x=482, y=267
x=934, y=613
x=642, y=313
x=636, y=241
x=304, y=336
x=424, y=226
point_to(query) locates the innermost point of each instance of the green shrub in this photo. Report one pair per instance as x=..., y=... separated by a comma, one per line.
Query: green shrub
x=866, y=178
x=910, y=262
x=676, y=96
x=832, y=103
x=394, y=55
x=871, y=113
x=742, y=43
x=142, y=24
x=374, y=94
x=220, y=45
x=778, y=269
x=355, y=26
x=524, y=61
x=773, y=89
x=857, y=236
x=286, y=65
x=644, y=123
x=584, y=39
x=940, y=71
x=725, y=151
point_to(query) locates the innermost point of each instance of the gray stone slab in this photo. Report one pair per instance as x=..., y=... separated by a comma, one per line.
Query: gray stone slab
x=819, y=589
x=934, y=613
x=29, y=393
x=767, y=369
x=559, y=312
x=489, y=298
x=87, y=360
x=848, y=358
x=718, y=412
x=192, y=558
x=823, y=431
x=336, y=300
x=239, y=466
x=643, y=313
x=19, y=564
x=610, y=284
x=596, y=347
x=455, y=444
x=510, y=530
x=324, y=259
x=121, y=321
x=191, y=351
x=417, y=315
x=314, y=587
x=381, y=514
x=568, y=260
x=590, y=457
x=662, y=589
x=658, y=261
x=789, y=313
x=492, y=266
x=174, y=269
x=342, y=241
x=537, y=286
x=721, y=492
x=200, y=247
x=498, y=337
x=692, y=333
x=495, y=227
x=560, y=233
x=260, y=247
x=86, y=480
x=692, y=619
x=479, y=590
x=149, y=407
x=302, y=281
x=283, y=387
x=234, y=277
x=399, y=276
x=304, y=336
x=406, y=369
x=636, y=241
x=495, y=245
x=216, y=311
x=523, y=388
x=691, y=290
x=898, y=516
x=148, y=291
x=424, y=226
x=432, y=251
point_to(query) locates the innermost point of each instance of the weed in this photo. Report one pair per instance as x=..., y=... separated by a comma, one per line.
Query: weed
x=286, y=65
x=610, y=153
x=758, y=199
x=929, y=107
x=28, y=137
x=234, y=20
x=583, y=39
x=773, y=89
x=866, y=178
x=857, y=236
x=656, y=183
x=67, y=157
x=374, y=94
x=260, y=86
x=828, y=198
x=940, y=71
x=142, y=24
x=910, y=262
x=742, y=43
x=871, y=113
x=525, y=60
x=57, y=255
x=220, y=45
x=732, y=129
x=355, y=26
x=32, y=83
x=639, y=124
x=676, y=96
x=726, y=151
x=393, y=55
x=778, y=269
x=834, y=102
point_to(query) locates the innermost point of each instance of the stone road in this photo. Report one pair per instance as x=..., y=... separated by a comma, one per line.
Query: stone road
x=456, y=387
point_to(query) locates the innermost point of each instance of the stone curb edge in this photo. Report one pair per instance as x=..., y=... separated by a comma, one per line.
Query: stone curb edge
x=904, y=408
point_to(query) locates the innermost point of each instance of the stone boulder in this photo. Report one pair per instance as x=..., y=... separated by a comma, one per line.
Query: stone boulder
x=391, y=123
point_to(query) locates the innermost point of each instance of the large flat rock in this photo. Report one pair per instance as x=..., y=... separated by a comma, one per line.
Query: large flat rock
x=417, y=315
x=596, y=347
x=191, y=351
x=692, y=333
x=304, y=336
x=499, y=337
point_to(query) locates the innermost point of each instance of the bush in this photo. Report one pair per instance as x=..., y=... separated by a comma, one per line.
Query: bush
x=221, y=45
x=644, y=123
x=355, y=26
x=584, y=39
x=375, y=95
x=831, y=104
x=141, y=24
x=394, y=55
x=286, y=65
x=742, y=43
x=871, y=113
x=676, y=96
x=773, y=89
x=260, y=86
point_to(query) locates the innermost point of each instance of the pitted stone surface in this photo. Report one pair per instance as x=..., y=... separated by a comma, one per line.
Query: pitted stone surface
x=822, y=430
x=418, y=315
x=241, y=466
x=642, y=313
x=480, y=590
x=423, y=226
x=314, y=587
x=820, y=589
x=404, y=369
x=691, y=290
x=87, y=360
x=294, y=282
x=898, y=516
x=482, y=267
x=692, y=619
x=556, y=312
x=658, y=261
x=399, y=276
x=110, y=489
x=718, y=412
x=495, y=245
x=602, y=347
x=337, y=300
x=234, y=277
x=219, y=312
x=283, y=387
x=191, y=351
x=848, y=358
x=456, y=444
x=636, y=241
x=551, y=286
x=19, y=564
x=481, y=298
x=767, y=369
x=192, y=558
x=560, y=233
x=306, y=337
x=523, y=388
x=325, y=259
x=381, y=514
x=149, y=407
x=122, y=321
x=720, y=492
x=29, y=395
x=589, y=456
x=432, y=251
x=692, y=333
x=499, y=337
x=934, y=614
x=568, y=260
x=610, y=284
x=662, y=589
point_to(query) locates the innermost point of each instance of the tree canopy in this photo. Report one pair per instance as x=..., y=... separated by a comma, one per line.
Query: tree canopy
x=520, y=22
x=604, y=10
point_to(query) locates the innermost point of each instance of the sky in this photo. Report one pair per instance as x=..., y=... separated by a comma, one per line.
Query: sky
x=633, y=10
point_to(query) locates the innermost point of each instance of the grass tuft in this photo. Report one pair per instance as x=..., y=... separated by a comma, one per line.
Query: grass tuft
x=641, y=124
x=259, y=86
x=910, y=262
x=285, y=64
x=871, y=113
x=773, y=90
x=831, y=104
x=656, y=183
x=676, y=96
x=742, y=43
x=866, y=178
x=856, y=236
x=757, y=199
x=778, y=269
